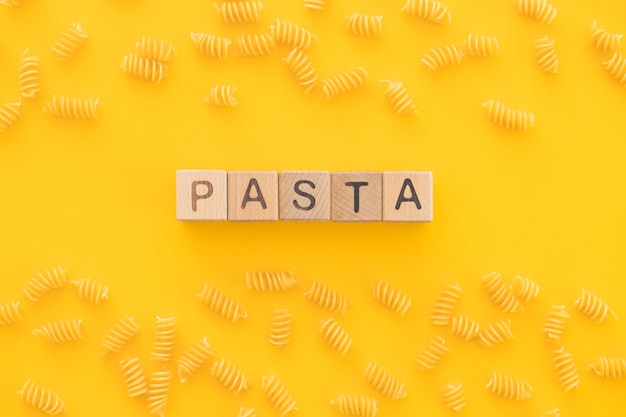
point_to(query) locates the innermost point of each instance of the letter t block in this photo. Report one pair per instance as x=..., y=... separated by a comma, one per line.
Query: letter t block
x=356, y=196
x=201, y=195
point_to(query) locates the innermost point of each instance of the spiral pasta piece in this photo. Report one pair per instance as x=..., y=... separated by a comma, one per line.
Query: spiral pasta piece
x=75, y=108
x=364, y=25
x=464, y=327
x=481, y=46
x=500, y=294
x=443, y=56
x=119, y=336
x=444, y=304
x=315, y=5
x=197, y=355
x=10, y=313
x=566, y=369
x=222, y=95
x=254, y=44
x=609, y=367
x=327, y=298
x=429, y=10
x=356, y=405
x=134, y=376
x=392, y=298
x=144, y=68
x=41, y=398
x=495, y=334
x=211, y=45
x=11, y=3
x=246, y=412
x=60, y=331
x=509, y=387
x=28, y=79
x=616, y=67
x=229, y=376
x=399, y=98
x=291, y=34
x=555, y=322
x=343, y=82
x=335, y=336
x=10, y=113
x=383, y=382
x=302, y=69
x=278, y=396
x=159, y=391
x=605, y=41
x=545, y=54
x=43, y=283
x=270, y=280
x=155, y=49
x=508, y=117
x=91, y=291
x=222, y=304
x=524, y=289
x=593, y=307
x=69, y=42
x=539, y=10
x=164, y=340
x=239, y=11
x=454, y=397
x=280, y=330
x=432, y=354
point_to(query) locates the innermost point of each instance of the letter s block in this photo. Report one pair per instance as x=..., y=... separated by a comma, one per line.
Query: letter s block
x=407, y=196
x=252, y=196
x=201, y=195
x=304, y=195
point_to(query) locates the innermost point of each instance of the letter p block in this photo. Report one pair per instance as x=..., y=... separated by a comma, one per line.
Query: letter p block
x=201, y=195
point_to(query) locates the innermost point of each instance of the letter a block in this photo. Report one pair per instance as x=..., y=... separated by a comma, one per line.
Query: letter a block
x=304, y=195
x=407, y=196
x=252, y=196
x=201, y=195
x=356, y=196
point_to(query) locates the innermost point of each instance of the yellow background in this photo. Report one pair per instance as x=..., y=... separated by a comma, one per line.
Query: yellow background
x=99, y=199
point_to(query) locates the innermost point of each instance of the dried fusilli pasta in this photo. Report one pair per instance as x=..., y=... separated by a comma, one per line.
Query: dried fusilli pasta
x=555, y=322
x=336, y=336
x=443, y=56
x=302, y=69
x=10, y=113
x=524, y=289
x=155, y=49
x=144, y=68
x=616, y=66
x=454, y=397
x=496, y=333
x=280, y=329
x=609, y=367
x=432, y=354
x=60, y=331
x=593, y=307
x=316, y=5
x=278, y=395
x=343, y=82
x=509, y=387
x=222, y=304
x=43, y=283
x=464, y=327
x=482, y=46
x=159, y=391
x=119, y=335
x=41, y=398
x=399, y=98
x=229, y=376
x=327, y=298
x=10, y=313
x=163, y=345
x=212, y=45
x=508, y=117
x=134, y=376
x=197, y=355
x=270, y=280
x=539, y=10
x=28, y=79
x=429, y=10
x=500, y=293
x=605, y=41
x=566, y=369
x=222, y=95
x=291, y=34
x=392, y=298
x=364, y=25
x=91, y=291
x=254, y=44
x=69, y=42
x=73, y=107
x=246, y=412
x=356, y=405
x=239, y=11
x=545, y=54
x=383, y=382
x=445, y=303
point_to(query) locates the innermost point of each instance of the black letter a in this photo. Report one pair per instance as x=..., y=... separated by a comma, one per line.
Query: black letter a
x=413, y=197
x=259, y=195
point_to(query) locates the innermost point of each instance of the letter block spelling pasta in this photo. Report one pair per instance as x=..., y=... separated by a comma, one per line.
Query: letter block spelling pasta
x=201, y=195
x=407, y=196
x=304, y=195
x=356, y=196
x=253, y=196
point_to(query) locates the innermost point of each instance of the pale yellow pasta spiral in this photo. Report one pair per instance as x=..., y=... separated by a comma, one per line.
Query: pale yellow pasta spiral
x=246, y=412
x=524, y=289
x=343, y=82
x=336, y=336
x=454, y=397
x=163, y=345
x=482, y=46
x=616, y=67
x=392, y=298
x=545, y=54
x=69, y=42
x=197, y=355
x=280, y=330
x=155, y=49
x=229, y=376
x=432, y=354
x=495, y=334
x=43, y=283
x=429, y=10
x=29, y=75
x=555, y=322
x=239, y=11
x=464, y=327
x=383, y=382
x=11, y=3
x=399, y=98
x=443, y=56
x=278, y=395
x=10, y=313
x=159, y=391
x=605, y=41
x=302, y=69
x=364, y=25
x=609, y=367
x=500, y=294
x=509, y=387
x=444, y=304
x=144, y=68
x=356, y=405
x=73, y=107
x=327, y=298
x=593, y=307
x=60, y=331
x=510, y=118
x=119, y=336
x=91, y=291
x=134, y=376
x=41, y=398
x=222, y=95
x=566, y=369
x=539, y=10
x=291, y=34
x=10, y=113
x=212, y=45
x=222, y=304
x=315, y=5
x=270, y=280
x=254, y=44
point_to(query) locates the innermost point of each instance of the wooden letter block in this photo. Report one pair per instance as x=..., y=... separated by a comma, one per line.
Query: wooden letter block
x=356, y=196
x=252, y=196
x=407, y=196
x=304, y=195
x=201, y=195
